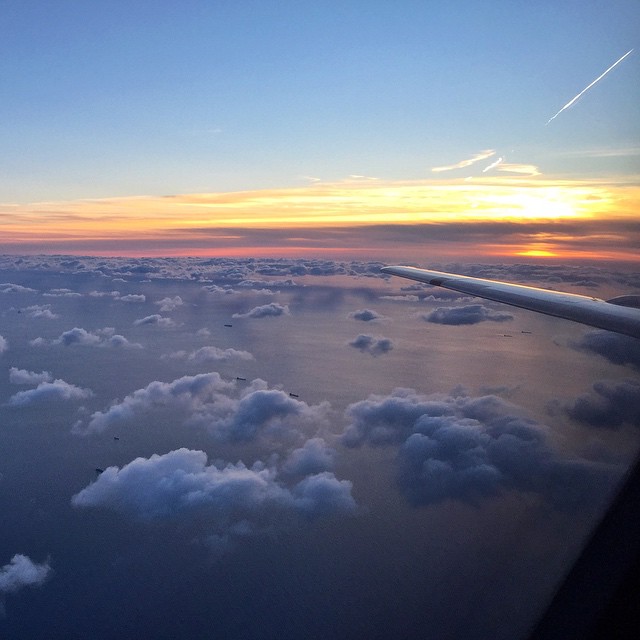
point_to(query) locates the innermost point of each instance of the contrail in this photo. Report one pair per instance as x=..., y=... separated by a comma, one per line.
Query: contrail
x=566, y=106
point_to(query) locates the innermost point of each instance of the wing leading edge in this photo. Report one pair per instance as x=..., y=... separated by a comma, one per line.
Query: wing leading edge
x=587, y=310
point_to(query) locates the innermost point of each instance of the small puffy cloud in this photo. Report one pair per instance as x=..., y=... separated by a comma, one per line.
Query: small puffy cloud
x=237, y=499
x=4, y=344
x=81, y=337
x=132, y=297
x=370, y=344
x=22, y=376
x=62, y=293
x=365, y=315
x=9, y=287
x=469, y=314
x=22, y=572
x=456, y=447
x=55, y=391
x=169, y=304
x=154, y=319
x=215, y=354
x=78, y=336
x=609, y=405
x=41, y=311
x=273, y=309
x=615, y=347
x=120, y=342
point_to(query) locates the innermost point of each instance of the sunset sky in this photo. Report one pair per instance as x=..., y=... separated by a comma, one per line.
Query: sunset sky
x=417, y=130
x=218, y=416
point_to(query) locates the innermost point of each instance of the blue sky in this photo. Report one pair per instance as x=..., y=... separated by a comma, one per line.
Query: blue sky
x=130, y=98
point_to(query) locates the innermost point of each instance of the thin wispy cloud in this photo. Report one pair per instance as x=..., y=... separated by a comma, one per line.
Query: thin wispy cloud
x=482, y=155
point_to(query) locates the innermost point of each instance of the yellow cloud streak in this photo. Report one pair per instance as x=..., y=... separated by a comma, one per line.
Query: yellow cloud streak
x=323, y=205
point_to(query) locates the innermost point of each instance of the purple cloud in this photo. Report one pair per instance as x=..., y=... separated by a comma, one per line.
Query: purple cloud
x=373, y=346
x=273, y=309
x=455, y=447
x=470, y=314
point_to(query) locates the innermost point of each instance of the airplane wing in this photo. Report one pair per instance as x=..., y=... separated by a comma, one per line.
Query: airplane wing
x=613, y=315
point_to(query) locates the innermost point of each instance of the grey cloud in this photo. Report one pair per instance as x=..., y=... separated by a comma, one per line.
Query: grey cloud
x=4, y=344
x=22, y=376
x=120, y=342
x=405, y=298
x=78, y=336
x=463, y=448
x=262, y=410
x=609, y=405
x=215, y=354
x=214, y=288
x=41, y=311
x=365, y=315
x=169, y=304
x=207, y=401
x=372, y=345
x=273, y=309
x=188, y=394
x=81, y=337
x=261, y=284
x=55, y=391
x=314, y=457
x=156, y=319
x=470, y=314
x=616, y=348
x=133, y=297
x=62, y=293
x=22, y=572
x=9, y=287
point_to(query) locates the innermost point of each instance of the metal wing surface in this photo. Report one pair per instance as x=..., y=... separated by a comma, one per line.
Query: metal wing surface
x=585, y=309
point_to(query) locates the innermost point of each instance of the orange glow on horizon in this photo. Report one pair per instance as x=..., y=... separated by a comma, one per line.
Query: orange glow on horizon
x=202, y=224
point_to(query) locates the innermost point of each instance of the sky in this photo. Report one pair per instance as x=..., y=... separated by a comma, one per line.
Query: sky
x=285, y=448
x=422, y=131
x=217, y=416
